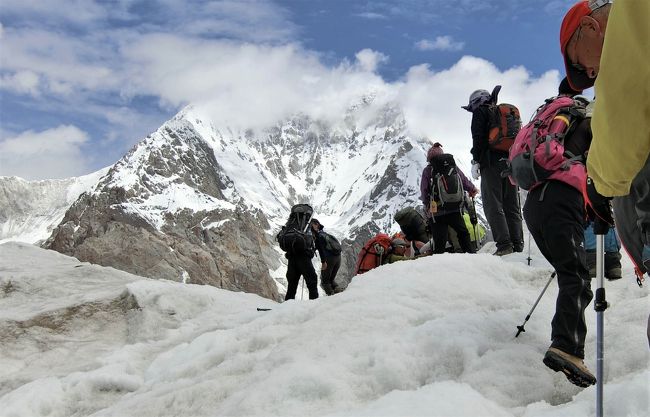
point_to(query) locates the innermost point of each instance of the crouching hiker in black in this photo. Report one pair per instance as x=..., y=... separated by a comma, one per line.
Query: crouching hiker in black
x=297, y=241
x=329, y=251
x=555, y=214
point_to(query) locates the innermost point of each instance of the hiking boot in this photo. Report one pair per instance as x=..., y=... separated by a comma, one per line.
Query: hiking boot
x=613, y=274
x=572, y=366
x=518, y=246
x=328, y=290
x=505, y=251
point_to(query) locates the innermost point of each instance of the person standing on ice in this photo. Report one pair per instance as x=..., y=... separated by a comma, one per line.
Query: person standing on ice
x=500, y=197
x=329, y=251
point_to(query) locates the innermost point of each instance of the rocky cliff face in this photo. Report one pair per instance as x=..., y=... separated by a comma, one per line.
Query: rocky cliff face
x=162, y=212
x=202, y=204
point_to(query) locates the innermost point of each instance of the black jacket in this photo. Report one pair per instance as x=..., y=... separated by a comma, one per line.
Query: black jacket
x=481, y=120
x=579, y=140
x=321, y=243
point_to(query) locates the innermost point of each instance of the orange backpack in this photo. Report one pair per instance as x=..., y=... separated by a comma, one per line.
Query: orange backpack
x=372, y=253
x=504, y=127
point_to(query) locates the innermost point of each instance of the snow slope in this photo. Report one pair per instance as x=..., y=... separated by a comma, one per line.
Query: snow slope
x=429, y=337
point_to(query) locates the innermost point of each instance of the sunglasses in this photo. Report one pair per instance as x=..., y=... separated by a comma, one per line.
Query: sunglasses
x=578, y=67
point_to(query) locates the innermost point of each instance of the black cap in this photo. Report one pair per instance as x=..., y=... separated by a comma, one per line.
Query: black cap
x=565, y=88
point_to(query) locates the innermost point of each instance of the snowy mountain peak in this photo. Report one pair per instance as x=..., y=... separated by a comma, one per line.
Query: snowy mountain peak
x=204, y=201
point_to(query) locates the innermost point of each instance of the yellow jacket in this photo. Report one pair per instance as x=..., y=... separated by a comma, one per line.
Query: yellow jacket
x=621, y=120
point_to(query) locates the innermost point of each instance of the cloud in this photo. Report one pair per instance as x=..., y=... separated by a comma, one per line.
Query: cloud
x=371, y=16
x=52, y=153
x=22, y=82
x=62, y=64
x=256, y=86
x=431, y=100
x=69, y=11
x=441, y=43
x=253, y=77
x=368, y=59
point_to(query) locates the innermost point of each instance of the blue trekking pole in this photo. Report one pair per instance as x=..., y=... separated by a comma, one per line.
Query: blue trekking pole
x=600, y=305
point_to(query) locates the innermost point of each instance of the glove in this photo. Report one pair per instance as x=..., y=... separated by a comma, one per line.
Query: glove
x=476, y=170
x=600, y=226
x=599, y=208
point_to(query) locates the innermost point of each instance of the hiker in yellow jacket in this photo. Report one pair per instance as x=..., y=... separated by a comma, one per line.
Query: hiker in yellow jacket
x=612, y=42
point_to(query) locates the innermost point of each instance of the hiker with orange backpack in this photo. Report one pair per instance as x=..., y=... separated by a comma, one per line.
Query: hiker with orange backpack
x=397, y=251
x=372, y=253
x=493, y=130
x=442, y=192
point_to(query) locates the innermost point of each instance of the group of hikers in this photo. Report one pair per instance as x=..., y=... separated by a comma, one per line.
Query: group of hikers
x=576, y=158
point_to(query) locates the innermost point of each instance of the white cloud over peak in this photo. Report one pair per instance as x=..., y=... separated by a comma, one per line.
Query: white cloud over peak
x=432, y=100
x=250, y=76
x=52, y=153
x=440, y=43
x=368, y=60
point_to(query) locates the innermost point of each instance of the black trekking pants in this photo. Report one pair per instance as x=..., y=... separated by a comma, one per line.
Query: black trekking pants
x=501, y=207
x=328, y=275
x=440, y=232
x=301, y=266
x=557, y=225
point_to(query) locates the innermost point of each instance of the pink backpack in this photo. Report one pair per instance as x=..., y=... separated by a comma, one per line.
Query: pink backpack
x=538, y=153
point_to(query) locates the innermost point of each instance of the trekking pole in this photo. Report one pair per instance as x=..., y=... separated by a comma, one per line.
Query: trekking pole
x=529, y=258
x=302, y=289
x=521, y=328
x=474, y=222
x=600, y=305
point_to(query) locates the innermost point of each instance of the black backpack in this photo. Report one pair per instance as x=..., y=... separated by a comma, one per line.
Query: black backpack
x=296, y=238
x=412, y=223
x=446, y=185
x=332, y=245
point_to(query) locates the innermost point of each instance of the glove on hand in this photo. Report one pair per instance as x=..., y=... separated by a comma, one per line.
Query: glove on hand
x=599, y=208
x=476, y=170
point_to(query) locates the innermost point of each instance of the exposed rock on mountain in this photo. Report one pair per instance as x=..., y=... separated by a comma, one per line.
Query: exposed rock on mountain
x=162, y=212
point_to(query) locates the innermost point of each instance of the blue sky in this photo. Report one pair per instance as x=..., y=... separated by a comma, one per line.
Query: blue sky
x=82, y=81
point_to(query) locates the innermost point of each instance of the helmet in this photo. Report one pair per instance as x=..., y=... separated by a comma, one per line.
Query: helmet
x=477, y=98
x=434, y=150
x=398, y=242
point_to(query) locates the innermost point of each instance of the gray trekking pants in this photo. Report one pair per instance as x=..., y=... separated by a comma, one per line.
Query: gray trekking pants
x=501, y=207
x=632, y=215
